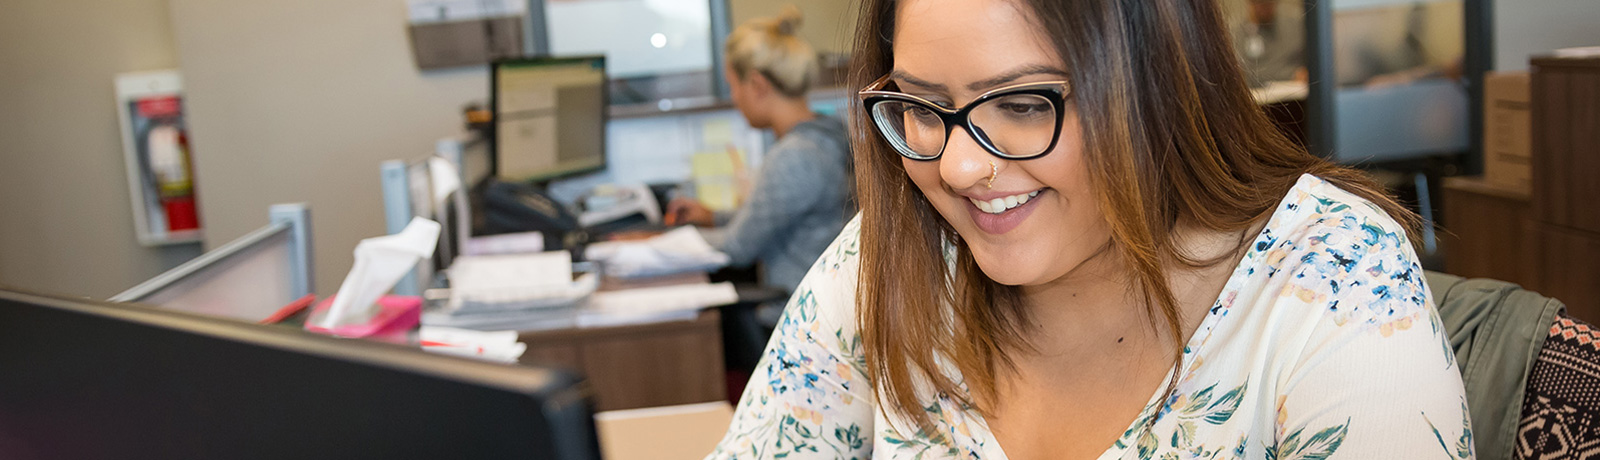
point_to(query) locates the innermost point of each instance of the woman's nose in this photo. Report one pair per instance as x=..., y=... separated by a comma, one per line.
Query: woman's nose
x=964, y=164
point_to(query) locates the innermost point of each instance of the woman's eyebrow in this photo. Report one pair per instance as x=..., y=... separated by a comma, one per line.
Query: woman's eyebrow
x=1015, y=74
x=905, y=78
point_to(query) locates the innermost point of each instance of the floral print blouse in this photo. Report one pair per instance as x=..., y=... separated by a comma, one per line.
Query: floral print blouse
x=1323, y=344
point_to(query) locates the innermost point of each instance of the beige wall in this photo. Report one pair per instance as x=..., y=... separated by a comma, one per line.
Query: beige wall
x=66, y=224
x=289, y=100
x=300, y=100
x=828, y=24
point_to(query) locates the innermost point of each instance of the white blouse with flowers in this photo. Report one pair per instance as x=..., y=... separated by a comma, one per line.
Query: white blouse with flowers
x=1323, y=344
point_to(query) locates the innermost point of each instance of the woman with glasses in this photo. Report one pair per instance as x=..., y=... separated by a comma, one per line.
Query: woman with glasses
x=1080, y=239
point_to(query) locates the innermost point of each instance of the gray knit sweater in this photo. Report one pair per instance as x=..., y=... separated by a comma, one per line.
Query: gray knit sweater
x=799, y=201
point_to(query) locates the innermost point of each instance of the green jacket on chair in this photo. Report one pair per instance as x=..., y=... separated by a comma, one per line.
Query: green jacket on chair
x=1496, y=329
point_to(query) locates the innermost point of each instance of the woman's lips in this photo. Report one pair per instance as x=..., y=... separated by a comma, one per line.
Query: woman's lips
x=997, y=224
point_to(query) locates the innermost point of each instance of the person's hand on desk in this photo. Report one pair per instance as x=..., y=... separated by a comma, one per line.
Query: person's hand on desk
x=683, y=211
x=635, y=235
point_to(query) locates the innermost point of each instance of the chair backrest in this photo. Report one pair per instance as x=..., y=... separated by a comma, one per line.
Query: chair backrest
x=1560, y=410
x=1501, y=335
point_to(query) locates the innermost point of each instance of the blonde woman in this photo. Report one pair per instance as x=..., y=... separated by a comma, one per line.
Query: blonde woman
x=800, y=196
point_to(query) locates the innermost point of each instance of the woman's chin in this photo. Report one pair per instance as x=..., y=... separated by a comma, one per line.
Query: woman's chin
x=1008, y=272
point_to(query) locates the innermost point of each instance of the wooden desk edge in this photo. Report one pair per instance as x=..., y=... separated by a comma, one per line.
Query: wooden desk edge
x=707, y=317
x=1477, y=184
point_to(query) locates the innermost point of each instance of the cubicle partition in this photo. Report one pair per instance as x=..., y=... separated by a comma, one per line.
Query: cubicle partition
x=250, y=278
x=413, y=189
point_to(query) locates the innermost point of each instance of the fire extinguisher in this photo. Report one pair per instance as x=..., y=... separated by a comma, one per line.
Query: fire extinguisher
x=169, y=160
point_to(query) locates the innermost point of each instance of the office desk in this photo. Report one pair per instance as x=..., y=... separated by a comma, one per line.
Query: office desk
x=627, y=367
x=1492, y=233
x=646, y=365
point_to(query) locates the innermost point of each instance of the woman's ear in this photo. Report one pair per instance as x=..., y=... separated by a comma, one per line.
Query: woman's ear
x=760, y=86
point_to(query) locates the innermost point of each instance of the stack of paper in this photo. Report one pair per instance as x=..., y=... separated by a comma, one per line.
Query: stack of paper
x=498, y=283
x=510, y=243
x=654, y=305
x=516, y=320
x=537, y=291
x=603, y=309
x=511, y=292
x=677, y=251
x=497, y=346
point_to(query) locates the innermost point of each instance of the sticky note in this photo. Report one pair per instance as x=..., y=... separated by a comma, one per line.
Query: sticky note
x=716, y=134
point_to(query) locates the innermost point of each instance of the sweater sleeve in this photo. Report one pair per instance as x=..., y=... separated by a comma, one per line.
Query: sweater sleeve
x=786, y=188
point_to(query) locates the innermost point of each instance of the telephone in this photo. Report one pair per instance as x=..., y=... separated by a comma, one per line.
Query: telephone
x=510, y=207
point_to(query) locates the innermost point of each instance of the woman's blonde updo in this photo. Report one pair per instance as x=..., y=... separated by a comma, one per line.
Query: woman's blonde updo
x=770, y=47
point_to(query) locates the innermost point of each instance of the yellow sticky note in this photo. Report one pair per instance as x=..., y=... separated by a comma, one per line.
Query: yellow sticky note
x=716, y=184
x=711, y=164
x=717, y=196
x=716, y=134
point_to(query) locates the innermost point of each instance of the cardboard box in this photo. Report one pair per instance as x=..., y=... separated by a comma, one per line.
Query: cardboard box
x=1507, y=129
x=687, y=432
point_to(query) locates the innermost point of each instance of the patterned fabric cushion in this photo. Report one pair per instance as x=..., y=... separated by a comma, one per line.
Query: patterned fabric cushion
x=1561, y=413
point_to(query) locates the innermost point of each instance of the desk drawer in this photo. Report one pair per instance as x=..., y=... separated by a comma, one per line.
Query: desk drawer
x=638, y=366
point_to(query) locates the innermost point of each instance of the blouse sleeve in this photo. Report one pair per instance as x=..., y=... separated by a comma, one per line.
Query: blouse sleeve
x=1376, y=377
x=809, y=396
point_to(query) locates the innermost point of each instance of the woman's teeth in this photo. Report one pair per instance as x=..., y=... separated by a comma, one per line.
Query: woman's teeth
x=999, y=205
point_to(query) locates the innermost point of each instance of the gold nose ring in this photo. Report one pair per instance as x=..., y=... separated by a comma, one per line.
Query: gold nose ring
x=994, y=170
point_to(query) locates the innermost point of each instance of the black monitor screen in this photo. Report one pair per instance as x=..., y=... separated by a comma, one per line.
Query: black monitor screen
x=82, y=380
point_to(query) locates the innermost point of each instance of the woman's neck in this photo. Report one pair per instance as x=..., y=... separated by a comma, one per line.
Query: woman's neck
x=1092, y=299
x=1097, y=301
x=788, y=113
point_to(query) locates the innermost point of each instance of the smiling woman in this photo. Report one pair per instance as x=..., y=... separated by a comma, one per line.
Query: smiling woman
x=1079, y=238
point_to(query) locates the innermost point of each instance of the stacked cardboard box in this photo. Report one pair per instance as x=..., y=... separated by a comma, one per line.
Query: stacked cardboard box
x=1507, y=126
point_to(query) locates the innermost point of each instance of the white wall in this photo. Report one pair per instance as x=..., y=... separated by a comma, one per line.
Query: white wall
x=66, y=224
x=300, y=100
x=1524, y=28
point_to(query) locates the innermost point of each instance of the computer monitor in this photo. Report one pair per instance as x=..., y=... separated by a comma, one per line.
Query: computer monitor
x=90, y=380
x=549, y=117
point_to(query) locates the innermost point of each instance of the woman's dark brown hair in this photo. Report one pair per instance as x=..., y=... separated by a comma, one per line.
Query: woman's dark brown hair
x=1170, y=132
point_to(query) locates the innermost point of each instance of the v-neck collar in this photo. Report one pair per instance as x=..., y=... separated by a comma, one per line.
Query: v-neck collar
x=989, y=448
